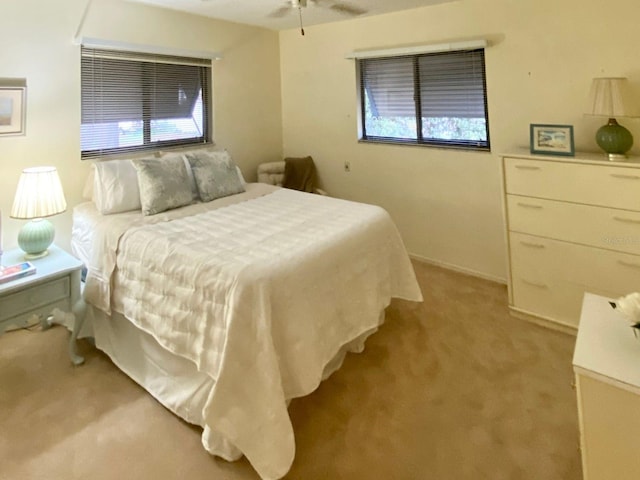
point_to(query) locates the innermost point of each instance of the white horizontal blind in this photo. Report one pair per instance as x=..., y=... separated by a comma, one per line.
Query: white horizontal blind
x=136, y=101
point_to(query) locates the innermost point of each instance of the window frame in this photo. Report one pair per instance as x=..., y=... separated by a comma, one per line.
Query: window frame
x=477, y=145
x=149, y=145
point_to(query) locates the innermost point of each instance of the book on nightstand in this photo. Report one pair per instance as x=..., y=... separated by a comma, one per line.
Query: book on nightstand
x=13, y=272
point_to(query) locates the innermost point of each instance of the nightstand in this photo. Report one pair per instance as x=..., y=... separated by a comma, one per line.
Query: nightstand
x=605, y=362
x=53, y=290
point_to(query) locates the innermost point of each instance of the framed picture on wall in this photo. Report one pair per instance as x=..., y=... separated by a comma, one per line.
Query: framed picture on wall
x=552, y=139
x=12, y=107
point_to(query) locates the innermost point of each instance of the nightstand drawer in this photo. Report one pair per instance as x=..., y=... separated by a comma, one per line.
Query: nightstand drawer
x=603, y=185
x=35, y=297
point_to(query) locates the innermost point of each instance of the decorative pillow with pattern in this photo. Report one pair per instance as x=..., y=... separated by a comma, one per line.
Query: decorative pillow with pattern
x=216, y=174
x=164, y=184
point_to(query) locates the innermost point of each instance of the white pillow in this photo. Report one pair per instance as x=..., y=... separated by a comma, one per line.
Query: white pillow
x=115, y=187
x=87, y=191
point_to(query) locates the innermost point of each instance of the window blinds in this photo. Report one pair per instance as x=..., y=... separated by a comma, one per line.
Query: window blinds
x=136, y=101
x=452, y=84
x=445, y=85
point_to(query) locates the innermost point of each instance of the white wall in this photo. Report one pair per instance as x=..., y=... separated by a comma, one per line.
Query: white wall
x=36, y=38
x=447, y=203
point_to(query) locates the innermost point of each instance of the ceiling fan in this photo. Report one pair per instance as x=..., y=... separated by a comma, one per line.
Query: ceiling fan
x=341, y=7
x=335, y=5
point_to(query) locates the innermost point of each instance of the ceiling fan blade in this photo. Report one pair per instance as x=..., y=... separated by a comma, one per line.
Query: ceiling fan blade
x=280, y=12
x=347, y=9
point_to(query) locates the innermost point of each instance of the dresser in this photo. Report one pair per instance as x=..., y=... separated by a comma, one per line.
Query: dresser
x=606, y=364
x=572, y=225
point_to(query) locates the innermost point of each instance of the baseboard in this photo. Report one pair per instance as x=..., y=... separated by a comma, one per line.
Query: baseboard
x=544, y=321
x=456, y=268
x=515, y=312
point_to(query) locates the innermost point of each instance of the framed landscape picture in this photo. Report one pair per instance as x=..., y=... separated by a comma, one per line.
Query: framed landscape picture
x=12, y=110
x=552, y=139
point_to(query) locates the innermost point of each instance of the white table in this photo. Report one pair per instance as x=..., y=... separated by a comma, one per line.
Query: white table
x=606, y=363
x=52, y=293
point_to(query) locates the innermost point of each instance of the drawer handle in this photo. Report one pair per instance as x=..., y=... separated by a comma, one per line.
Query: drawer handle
x=535, y=284
x=626, y=220
x=529, y=205
x=628, y=177
x=629, y=264
x=527, y=167
x=531, y=244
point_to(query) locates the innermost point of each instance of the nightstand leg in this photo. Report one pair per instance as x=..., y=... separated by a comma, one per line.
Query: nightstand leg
x=79, y=312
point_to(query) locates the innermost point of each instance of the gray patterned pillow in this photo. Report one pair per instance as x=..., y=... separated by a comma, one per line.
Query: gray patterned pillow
x=164, y=184
x=216, y=175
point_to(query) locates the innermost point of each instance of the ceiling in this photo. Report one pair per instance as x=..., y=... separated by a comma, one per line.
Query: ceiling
x=256, y=12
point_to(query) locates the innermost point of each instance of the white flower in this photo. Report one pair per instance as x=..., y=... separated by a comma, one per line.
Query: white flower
x=629, y=306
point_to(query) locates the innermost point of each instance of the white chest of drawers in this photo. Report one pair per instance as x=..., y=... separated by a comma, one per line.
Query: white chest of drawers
x=572, y=225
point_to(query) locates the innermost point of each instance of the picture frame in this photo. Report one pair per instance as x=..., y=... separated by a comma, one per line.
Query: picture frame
x=12, y=107
x=548, y=139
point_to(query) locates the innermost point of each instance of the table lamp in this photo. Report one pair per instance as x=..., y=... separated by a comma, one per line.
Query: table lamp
x=39, y=194
x=608, y=99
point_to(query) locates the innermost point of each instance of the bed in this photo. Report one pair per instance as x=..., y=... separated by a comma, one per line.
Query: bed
x=226, y=310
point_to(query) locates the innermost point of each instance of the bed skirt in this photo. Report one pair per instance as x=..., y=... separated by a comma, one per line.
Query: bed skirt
x=174, y=381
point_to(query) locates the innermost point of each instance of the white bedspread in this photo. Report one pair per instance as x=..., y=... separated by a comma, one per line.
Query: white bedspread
x=260, y=295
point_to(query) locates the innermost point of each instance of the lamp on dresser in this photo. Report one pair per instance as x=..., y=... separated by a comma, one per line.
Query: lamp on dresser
x=608, y=98
x=39, y=195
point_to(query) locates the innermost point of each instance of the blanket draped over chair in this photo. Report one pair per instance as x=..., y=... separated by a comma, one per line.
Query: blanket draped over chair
x=300, y=174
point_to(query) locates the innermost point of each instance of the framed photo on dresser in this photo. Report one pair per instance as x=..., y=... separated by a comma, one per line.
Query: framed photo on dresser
x=552, y=139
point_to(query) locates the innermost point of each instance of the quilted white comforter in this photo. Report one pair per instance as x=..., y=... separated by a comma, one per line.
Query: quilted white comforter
x=260, y=295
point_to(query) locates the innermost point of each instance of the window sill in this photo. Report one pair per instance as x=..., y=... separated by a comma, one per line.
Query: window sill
x=406, y=143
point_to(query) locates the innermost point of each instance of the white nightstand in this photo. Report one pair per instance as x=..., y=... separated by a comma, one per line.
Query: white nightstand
x=51, y=291
x=606, y=363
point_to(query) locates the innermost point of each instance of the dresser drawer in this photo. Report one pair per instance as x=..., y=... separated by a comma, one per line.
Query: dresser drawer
x=549, y=277
x=35, y=297
x=601, y=227
x=609, y=186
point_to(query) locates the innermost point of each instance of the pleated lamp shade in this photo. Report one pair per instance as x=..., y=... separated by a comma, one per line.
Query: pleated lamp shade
x=39, y=194
x=608, y=98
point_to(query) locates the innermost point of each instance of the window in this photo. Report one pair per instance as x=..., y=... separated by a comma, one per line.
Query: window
x=433, y=99
x=136, y=101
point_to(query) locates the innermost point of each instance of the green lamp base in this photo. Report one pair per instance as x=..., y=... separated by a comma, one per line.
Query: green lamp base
x=614, y=139
x=35, y=237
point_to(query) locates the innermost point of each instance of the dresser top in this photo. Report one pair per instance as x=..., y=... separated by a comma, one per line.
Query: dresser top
x=580, y=157
x=606, y=348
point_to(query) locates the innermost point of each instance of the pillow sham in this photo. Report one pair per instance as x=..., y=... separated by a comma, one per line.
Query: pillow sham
x=216, y=175
x=115, y=187
x=87, y=190
x=163, y=183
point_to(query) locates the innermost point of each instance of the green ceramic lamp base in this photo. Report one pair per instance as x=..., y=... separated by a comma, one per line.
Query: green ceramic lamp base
x=614, y=139
x=35, y=237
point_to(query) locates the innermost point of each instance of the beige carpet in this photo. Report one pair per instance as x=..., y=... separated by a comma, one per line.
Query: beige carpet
x=453, y=388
